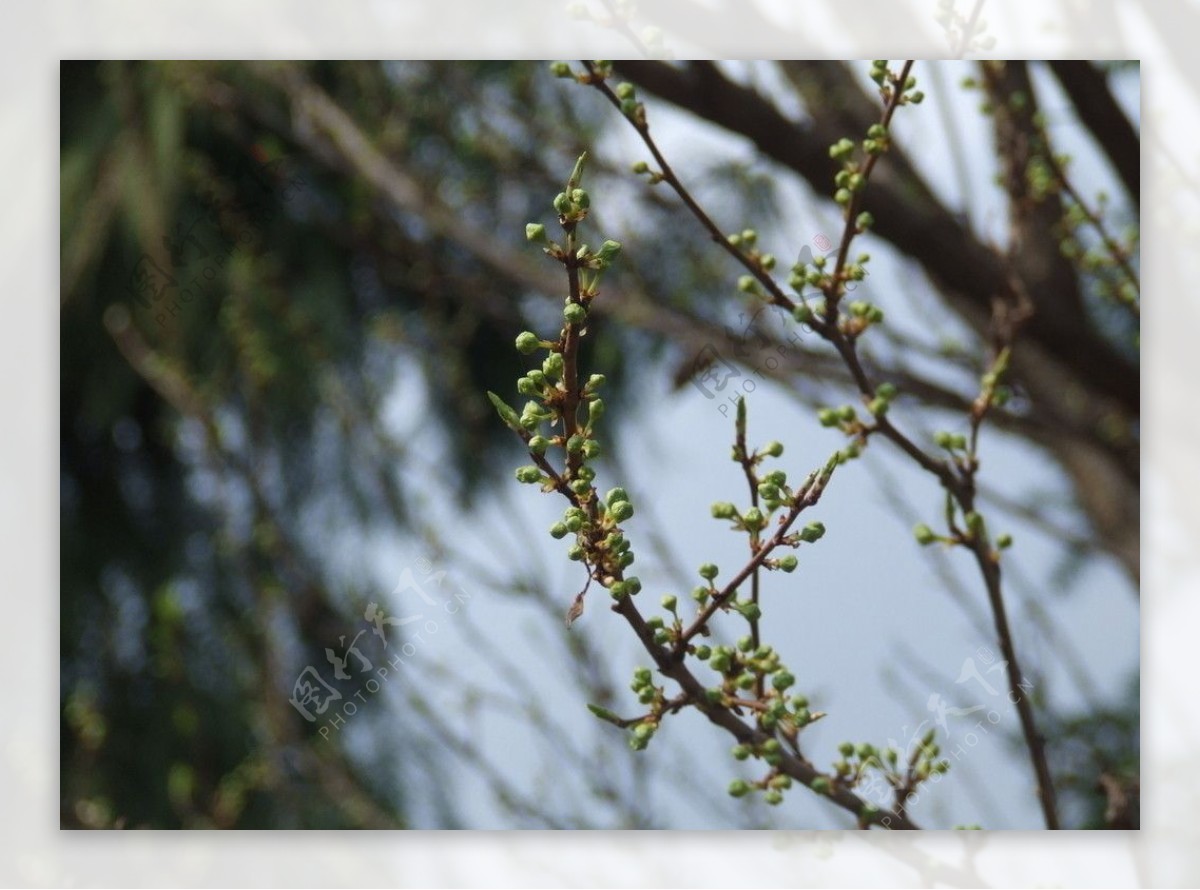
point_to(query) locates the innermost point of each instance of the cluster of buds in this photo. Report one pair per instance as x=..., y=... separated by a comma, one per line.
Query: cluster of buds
x=562, y=415
x=902, y=773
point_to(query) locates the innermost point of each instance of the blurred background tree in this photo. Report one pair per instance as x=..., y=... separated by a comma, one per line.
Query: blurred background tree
x=285, y=287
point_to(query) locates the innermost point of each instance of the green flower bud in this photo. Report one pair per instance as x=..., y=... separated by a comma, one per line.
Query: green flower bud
x=529, y=475
x=621, y=511
x=745, y=681
x=655, y=622
x=526, y=387
x=740, y=752
x=562, y=203
x=703, y=652
x=820, y=785
x=580, y=486
x=846, y=749
x=878, y=407
x=618, y=589
x=777, y=477
x=625, y=91
x=847, y=414
x=640, y=167
x=749, y=236
x=552, y=367
x=773, y=449
x=841, y=150
x=608, y=252
x=580, y=199
x=843, y=196
x=783, y=680
x=539, y=444
x=634, y=584
x=573, y=523
x=575, y=444
x=669, y=602
x=754, y=519
x=924, y=535
x=575, y=554
x=747, y=284
x=788, y=563
x=535, y=232
x=974, y=523
x=943, y=439
x=739, y=788
x=803, y=314
x=864, y=221
x=558, y=531
x=721, y=661
x=614, y=495
x=530, y=418
x=828, y=417
x=773, y=797
x=574, y=313
x=724, y=510
x=591, y=450
x=916, y=97
x=1004, y=541
x=708, y=571
x=594, y=382
x=560, y=69
x=814, y=531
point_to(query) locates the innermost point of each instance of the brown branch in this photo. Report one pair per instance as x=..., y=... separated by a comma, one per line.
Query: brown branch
x=1088, y=90
x=906, y=211
x=960, y=486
